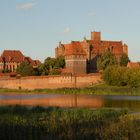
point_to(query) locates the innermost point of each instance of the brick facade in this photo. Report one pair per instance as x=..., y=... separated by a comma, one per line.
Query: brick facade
x=11, y=59
x=88, y=51
x=51, y=82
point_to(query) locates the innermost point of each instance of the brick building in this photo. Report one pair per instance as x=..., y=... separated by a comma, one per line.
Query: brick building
x=81, y=56
x=11, y=59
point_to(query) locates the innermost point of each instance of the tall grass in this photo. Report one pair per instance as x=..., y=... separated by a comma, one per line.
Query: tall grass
x=22, y=123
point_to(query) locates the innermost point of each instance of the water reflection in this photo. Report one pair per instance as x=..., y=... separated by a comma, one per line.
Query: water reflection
x=90, y=101
x=51, y=100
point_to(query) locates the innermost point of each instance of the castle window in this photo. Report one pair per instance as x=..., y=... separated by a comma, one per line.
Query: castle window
x=13, y=68
x=10, y=68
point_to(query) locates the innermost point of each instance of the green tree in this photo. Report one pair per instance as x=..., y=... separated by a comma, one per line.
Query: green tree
x=133, y=77
x=60, y=62
x=55, y=72
x=50, y=63
x=124, y=60
x=36, y=72
x=115, y=75
x=43, y=69
x=52, y=66
x=106, y=59
x=25, y=69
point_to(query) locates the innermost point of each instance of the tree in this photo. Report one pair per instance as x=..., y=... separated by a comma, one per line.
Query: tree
x=105, y=60
x=122, y=76
x=115, y=75
x=60, y=62
x=25, y=69
x=36, y=72
x=52, y=66
x=50, y=63
x=133, y=77
x=43, y=69
x=124, y=60
x=55, y=72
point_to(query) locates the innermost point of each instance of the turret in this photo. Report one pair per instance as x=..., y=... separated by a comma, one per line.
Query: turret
x=96, y=36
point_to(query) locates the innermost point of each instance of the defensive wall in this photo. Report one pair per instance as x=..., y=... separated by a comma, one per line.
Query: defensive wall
x=42, y=82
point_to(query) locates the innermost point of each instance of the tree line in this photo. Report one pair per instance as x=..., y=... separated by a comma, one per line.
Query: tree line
x=51, y=66
x=115, y=72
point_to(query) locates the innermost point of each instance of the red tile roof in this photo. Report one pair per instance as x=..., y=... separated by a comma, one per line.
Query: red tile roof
x=75, y=48
x=17, y=56
x=133, y=65
x=12, y=56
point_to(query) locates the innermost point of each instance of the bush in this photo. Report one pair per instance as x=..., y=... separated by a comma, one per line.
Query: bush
x=133, y=77
x=114, y=75
x=122, y=76
x=106, y=59
x=55, y=72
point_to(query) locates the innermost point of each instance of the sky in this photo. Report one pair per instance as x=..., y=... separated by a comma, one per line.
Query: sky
x=37, y=26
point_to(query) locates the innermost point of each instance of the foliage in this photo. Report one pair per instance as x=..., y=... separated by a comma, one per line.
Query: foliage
x=50, y=63
x=55, y=72
x=60, y=62
x=133, y=77
x=71, y=124
x=106, y=59
x=25, y=69
x=122, y=76
x=114, y=75
x=36, y=72
x=43, y=69
x=6, y=71
x=124, y=60
x=51, y=66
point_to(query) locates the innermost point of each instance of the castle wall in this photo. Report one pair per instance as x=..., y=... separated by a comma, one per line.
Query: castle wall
x=51, y=82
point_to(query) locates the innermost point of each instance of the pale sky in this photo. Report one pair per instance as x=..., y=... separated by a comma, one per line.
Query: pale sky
x=36, y=26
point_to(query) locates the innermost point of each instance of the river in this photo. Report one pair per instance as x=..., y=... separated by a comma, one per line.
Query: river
x=69, y=101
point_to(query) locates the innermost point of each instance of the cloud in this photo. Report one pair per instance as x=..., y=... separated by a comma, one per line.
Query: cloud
x=67, y=30
x=26, y=6
x=91, y=14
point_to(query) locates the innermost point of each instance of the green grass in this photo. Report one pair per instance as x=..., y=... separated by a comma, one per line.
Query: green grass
x=17, y=122
x=101, y=89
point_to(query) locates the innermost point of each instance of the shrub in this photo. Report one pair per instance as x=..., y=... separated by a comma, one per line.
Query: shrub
x=114, y=75
x=122, y=76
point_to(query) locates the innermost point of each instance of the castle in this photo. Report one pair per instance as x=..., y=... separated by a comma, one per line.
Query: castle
x=81, y=56
x=11, y=59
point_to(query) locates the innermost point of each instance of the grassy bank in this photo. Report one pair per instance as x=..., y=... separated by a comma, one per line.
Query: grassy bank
x=72, y=124
x=101, y=89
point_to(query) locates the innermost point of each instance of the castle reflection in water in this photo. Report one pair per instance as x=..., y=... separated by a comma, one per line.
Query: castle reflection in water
x=51, y=100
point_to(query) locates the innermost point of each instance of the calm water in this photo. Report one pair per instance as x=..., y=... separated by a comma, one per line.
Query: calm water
x=90, y=101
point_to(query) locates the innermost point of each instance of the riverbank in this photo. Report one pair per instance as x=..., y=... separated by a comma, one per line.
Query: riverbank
x=17, y=122
x=101, y=89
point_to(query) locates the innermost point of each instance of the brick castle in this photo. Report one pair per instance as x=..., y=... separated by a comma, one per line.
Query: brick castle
x=81, y=56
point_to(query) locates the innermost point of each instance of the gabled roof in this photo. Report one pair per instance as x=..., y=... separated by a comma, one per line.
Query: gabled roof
x=17, y=56
x=74, y=48
x=12, y=56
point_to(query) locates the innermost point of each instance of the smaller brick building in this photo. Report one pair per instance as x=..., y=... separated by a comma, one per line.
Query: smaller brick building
x=11, y=59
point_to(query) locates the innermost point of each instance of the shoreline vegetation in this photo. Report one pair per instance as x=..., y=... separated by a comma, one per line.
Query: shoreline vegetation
x=101, y=89
x=19, y=122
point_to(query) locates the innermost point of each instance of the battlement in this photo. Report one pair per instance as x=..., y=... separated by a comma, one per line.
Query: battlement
x=96, y=36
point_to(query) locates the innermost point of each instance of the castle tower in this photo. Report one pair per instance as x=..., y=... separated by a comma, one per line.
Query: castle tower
x=96, y=36
x=125, y=49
